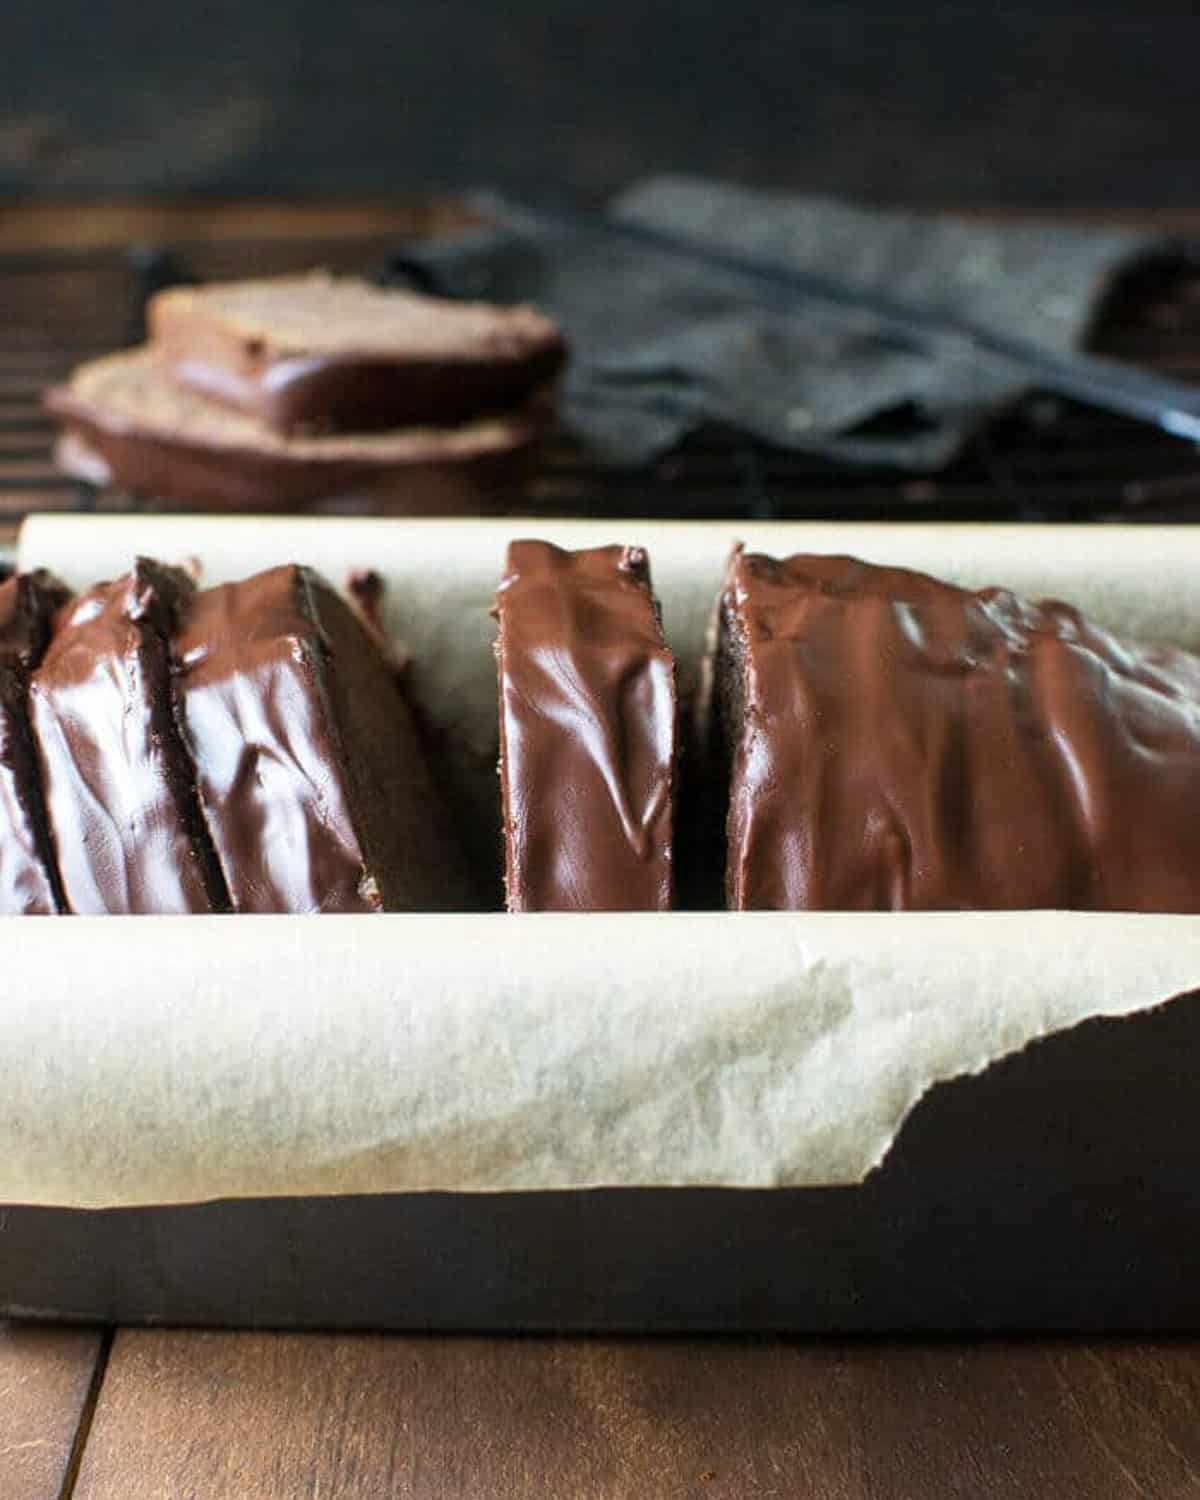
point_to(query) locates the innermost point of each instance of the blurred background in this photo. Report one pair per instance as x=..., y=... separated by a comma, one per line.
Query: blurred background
x=929, y=101
x=141, y=144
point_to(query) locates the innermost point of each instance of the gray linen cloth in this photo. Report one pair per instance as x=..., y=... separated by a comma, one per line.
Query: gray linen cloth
x=661, y=346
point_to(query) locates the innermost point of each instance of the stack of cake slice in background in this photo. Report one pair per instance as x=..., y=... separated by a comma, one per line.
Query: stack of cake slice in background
x=265, y=394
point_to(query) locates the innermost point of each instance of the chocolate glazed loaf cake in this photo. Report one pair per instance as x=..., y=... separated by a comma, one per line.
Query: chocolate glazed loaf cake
x=29, y=883
x=119, y=785
x=587, y=732
x=893, y=742
x=313, y=784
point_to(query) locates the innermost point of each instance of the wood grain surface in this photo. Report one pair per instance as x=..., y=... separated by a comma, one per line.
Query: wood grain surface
x=45, y=1382
x=271, y=1417
x=89, y=223
x=77, y=224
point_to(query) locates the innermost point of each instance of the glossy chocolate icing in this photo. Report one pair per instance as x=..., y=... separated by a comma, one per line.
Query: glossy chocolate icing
x=251, y=669
x=447, y=474
x=343, y=393
x=588, y=735
x=120, y=795
x=29, y=882
x=899, y=743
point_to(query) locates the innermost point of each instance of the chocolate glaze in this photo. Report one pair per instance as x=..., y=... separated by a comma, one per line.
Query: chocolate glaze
x=899, y=743
x=187, y=472
x=367, y=589
x=587, y=731
x=251, y=666
x=346, y=393
x=311, y=775
x=119, y=788
x=29, y=883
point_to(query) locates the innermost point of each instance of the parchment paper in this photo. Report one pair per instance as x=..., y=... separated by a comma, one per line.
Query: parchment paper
x=161, y=1060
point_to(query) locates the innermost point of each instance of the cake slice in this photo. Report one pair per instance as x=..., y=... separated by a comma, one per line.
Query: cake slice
x=128, y=425
x=311, y=776
x=316, y=353
x=119, y=787
x=587, y=731
x=893, y=742
x=28, y=877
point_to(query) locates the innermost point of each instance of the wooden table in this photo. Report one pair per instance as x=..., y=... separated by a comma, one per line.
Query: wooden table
x=130, y=1414
x=135, y=1414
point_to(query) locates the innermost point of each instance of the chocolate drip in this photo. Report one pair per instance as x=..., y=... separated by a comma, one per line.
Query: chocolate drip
x=367, y=589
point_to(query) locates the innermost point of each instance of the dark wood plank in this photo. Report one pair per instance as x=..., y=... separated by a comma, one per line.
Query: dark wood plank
x=87, y=223
x=78, y=224
x=237, y=1417
x=46, y=1375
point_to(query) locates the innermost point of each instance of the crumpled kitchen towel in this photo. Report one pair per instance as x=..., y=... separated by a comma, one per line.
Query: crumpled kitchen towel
x=661, y=346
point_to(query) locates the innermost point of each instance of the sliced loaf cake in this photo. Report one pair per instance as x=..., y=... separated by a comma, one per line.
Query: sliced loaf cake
x=893, y=742
x=312, y=779
x=29, y=882
x=587, y=731
x=119, y=785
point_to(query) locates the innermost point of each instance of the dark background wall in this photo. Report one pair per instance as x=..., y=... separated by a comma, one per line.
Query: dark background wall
x=928, y=101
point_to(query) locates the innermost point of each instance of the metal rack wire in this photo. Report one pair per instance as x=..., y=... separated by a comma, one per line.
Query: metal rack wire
x=1045, y=459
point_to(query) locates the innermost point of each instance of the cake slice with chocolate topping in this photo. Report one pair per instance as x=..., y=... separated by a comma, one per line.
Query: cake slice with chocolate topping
x=119, y=786
x=892, y=742
x=311, y=776
x=29, y=882
x=587, y=731
x=318, y=353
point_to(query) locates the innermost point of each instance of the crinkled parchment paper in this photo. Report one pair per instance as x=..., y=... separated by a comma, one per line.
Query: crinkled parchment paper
x=161, y=1060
